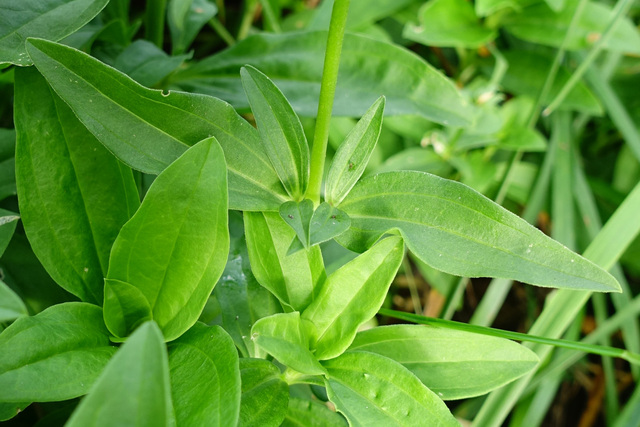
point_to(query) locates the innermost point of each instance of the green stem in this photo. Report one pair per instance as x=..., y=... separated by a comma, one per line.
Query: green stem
x=270, y=16
x=222, y=31
x=251, y=7
x=327, y=93
x=154, y=22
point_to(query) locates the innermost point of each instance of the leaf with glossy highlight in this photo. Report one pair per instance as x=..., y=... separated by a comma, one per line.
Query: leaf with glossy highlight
x=454, y=229
x=265, y=395
x=133, y=389
x=148, y=130
x=69, y=334
x=8, y=222
x=437, y=356
x=175, y=247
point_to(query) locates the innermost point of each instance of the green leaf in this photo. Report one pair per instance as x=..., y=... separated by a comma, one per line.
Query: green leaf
x=362, y=13
x=449, y=23
x=373, y=390
x=265, y=395
x=352, y=295
x=327, y=222
x=294, y=279
x=438, y=356
x=205, y=377
x=7, y=163
x=11, y=306
x=125, y=307
x=9, y=410
x=354, y=153
x=147, y=64
x=133, y=390
x=186, y=18
x=67, y=335
x=540, y=24
x=310, y=413
x=8, y=222
x=175, y=246
x=286, y=337
x=280, y=130
x=294, y=62
x=148, y=130
x=74, y=195
x=298, y=215
x=454, y=229
x=51, y=19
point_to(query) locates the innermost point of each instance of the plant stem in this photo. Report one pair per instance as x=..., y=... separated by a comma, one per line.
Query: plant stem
x=154, y=21
x=222, y=31
x=251, y=7
x=327, y=92
x=270, y=17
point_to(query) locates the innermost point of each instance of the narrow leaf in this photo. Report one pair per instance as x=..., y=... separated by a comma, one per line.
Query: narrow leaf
x=74, y=195
x=373, y=390
x=352, y=157
x=148, y=130
x=11, y=306
x=437, y=356
x=265, y=395
x=205, y=377
x=175, y=246
x=146, y=63
x=280, y=130
x=298, y=216
x=51, y=19
x=8, y=222
x=67, y=335
x=133, y=389
x=186, y=18
x=352, y=295
x=285, y=336
x=454, y=229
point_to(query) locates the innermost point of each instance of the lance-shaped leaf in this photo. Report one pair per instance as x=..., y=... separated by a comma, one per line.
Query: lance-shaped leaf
x=370, y=389
x=454, y=229
x=74, y=195
x=437, y=356
x=175, y=247
x=294, y=62
x=68, y=336
x=51, y=19
x=311, y=413
x=287, y=338
x=148, y=130
x=8, y=222
x=186, y=18
x=294, y=279
x=298, y=216
x=133, y=390
x=313, y=227
x=352, y=295
x=353, y=155
x=265, y=395
x=280, y=130
x=11, y=306
x=205, y=377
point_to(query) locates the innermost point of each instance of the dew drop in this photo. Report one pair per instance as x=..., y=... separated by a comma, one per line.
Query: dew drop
x=572, y=260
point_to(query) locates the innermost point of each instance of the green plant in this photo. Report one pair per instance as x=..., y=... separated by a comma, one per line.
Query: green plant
x=198, y=245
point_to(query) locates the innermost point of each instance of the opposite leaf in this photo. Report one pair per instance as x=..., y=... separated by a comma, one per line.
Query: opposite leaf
x=352, y=295
x=133, y=389
x=205, y=377
x=438, y=356
x=265, y=395
x=352, y=157
x=67, y=335
x=175, y=247
x=286, y=337
x=454, y=229
x=373, y=390
x=282, y=135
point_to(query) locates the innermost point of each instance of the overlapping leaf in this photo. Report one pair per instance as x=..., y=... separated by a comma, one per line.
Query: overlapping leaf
x=265, y=395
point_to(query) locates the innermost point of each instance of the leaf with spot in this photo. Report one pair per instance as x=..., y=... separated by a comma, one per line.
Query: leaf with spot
x=298, y=216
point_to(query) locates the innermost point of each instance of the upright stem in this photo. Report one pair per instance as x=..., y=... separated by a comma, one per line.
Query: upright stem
x=327, y=92
x=154, y=25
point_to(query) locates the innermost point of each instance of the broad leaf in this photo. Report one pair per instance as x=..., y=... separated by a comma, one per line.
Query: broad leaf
x=352, y=295
x=133, y=390
x=373, y=390
x=438, y=356
x=148, y=130
x=67, y=335
x=74, y=195
x=146, y=63
x=454, y=229
x=7, y=163
x=265, y=395
x=280, y=130
x=11, y=306
x=8, y=222
x=294, y=279
x=125, y=307
x=539, y=23
x=175, y=246
x=287, y=338
x=205, y=377
x=186, y=18
x=294, y=62
x=298, y=216
x=9, y=410
x=311, y=413
x=327, y=222
x=449, y=23
x=49, y=19
x=354, y=153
